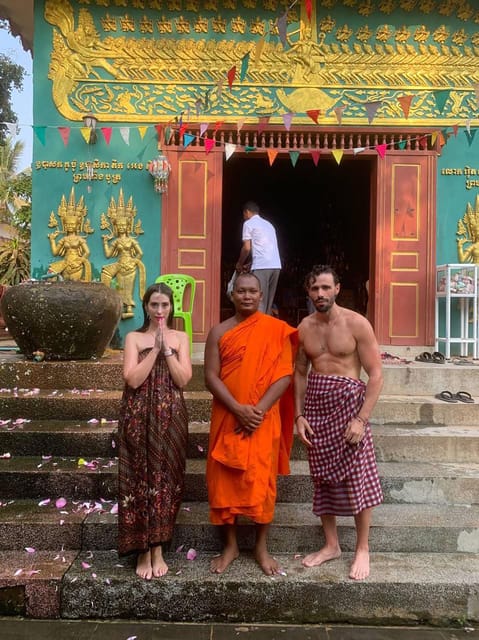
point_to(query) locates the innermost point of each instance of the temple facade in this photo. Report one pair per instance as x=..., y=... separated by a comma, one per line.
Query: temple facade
x=351, y=122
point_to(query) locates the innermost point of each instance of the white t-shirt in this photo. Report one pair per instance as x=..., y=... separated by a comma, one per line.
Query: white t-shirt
x=264, y=245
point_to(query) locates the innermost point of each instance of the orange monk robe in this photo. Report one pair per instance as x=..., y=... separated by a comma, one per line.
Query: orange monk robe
x=241, y=470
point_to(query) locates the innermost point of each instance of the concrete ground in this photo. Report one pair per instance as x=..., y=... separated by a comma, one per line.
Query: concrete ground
x=22, y=629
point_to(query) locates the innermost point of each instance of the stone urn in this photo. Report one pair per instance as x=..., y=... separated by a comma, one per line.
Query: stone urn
x=61, y=320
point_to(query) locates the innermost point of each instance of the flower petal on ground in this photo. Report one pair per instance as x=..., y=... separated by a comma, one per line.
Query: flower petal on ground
x=191, y=554
x=60, y=503
x=29, y=549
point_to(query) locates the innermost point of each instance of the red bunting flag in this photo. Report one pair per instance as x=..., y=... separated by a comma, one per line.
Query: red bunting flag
x=65, y=134
x=309, y=7
x=262, y=123
x=455, y=129
x=381, y=149
x=218, y=125
x=405, y=102
x=107, y=131
x=315, y=155
x=314, y=114
x=423, y=142
x=159, y=129
x=182, y=130
x=209, y=144
x=231, y=75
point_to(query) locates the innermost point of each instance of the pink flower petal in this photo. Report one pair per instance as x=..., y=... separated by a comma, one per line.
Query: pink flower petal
x=60, y=503
x=93, y=421
x=191, y=554
x=85, y=565
x=200, y=448
x=18, y=572
x=5, y=456
x=180, y=548
x=29, y=549
x=114, y=509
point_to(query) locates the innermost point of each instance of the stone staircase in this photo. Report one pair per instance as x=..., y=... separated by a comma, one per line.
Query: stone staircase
x=58, y=558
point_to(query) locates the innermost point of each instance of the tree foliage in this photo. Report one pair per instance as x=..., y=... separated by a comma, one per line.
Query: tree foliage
x=11, y=77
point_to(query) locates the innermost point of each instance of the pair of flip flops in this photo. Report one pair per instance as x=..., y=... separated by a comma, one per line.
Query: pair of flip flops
x=432, y=358
x=460, y=396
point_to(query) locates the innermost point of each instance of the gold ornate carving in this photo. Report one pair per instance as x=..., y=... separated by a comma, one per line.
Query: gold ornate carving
x=72, y=247
x=121, y=243
x=151, y=75
x=468, y=234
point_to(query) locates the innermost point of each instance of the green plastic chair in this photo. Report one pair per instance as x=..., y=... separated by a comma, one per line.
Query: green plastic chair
x=178, y=282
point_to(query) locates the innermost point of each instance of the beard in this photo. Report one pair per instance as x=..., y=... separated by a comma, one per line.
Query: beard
x=323, y=306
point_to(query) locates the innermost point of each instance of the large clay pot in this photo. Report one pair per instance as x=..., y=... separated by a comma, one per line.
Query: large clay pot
x=62, y=320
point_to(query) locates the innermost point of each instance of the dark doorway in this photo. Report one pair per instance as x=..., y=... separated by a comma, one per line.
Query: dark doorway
x=321, y=214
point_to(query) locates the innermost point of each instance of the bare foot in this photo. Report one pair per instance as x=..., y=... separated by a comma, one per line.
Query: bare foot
x=143, y=566
x=159, y=566
x=360, y=565
x=223, y=561
x=269, y=565
x=323, y=555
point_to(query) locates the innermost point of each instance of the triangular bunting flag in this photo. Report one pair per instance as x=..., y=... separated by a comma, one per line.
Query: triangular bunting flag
x=294, y=155
x=272, y=153
x=468, y=125
x=314, y=114
x=125, y=134
x=106, y=131
x=65, y=134
x=231, y=75
x=244, y=66
x=209, y=144
x=455, y=129
x=402, y=144
x=239, y=125
x=182, y=130
x=203, y=128
x=405, y=102
x=470, y=135
x=187, y=139
x=262, y=123
x=442, y=140
x=159, y=129
x=249, y=149
x=287, y=119
x=40, y=133
x=445, y=134
x=229, y=150
x=381, y=149
x=309, y=6
x=371, y=110
x=441, y=98
x=218, y=125
x=282, y=25
x=12, y=129
x=168, y=134
x=338, y=155
x=259, y=50
x=315, y=155
x=86, y=134
x=142, y=131
x=434, y=135
x=339, y=112
x=357, y=150
x=423, y=142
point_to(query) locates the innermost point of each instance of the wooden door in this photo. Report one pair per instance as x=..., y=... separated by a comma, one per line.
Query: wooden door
x=191, y=229
x=404, y=240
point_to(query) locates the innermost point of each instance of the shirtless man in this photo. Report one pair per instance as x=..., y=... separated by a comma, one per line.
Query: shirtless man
x=332, y=409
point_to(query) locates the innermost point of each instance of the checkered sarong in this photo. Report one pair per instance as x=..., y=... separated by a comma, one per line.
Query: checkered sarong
x=345, y=475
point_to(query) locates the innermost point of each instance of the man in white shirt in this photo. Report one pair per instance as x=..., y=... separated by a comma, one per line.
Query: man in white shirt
x=259, y=239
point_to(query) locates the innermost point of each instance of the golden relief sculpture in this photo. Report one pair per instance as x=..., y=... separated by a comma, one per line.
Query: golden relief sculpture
x=158, y=67
x=121, y=243
x=468, y=234
x=72, y=247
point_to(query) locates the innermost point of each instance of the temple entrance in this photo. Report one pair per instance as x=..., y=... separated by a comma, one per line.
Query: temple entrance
x=321, y=215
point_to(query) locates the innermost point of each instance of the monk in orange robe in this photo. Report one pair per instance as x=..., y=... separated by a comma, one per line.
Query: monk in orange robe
x=248, y=369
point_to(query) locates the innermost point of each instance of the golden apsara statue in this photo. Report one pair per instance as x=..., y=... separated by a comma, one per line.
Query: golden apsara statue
x=120, y=243
x=72, y=247
x=468, y=234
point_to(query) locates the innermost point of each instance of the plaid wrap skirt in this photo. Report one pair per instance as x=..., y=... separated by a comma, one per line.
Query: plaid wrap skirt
x=345, y=475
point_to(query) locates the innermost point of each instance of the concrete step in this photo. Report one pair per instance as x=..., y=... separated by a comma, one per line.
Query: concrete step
x=403, y=482
x=418, y=378
x=93, y=526
x=75, y=405
x=100, y=439
x=402, y=589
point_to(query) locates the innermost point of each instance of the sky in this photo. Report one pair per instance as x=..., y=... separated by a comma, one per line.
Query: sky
x=22, y=101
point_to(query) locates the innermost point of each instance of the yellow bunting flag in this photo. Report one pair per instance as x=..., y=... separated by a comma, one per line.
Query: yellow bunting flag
x=337, y=155
x=142, y=131
x=86, y=133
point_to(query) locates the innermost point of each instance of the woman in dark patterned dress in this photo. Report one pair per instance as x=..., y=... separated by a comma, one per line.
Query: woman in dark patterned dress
x=153, y=430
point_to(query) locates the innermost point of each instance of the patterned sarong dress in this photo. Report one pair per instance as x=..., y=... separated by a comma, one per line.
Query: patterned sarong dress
x=345, y=475
x=153, y=432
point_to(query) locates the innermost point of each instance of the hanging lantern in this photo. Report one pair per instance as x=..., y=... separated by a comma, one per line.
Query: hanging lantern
x=160, y=169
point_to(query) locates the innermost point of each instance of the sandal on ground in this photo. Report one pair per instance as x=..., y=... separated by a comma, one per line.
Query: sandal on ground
x=425, y=356
x=446, y=396
x=438, y=357
x=464, y=396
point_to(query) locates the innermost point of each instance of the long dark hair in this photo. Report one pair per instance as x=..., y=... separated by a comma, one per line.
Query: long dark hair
x=160, y=287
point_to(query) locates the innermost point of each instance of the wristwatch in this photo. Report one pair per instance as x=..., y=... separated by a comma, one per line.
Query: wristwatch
x=168, y=352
